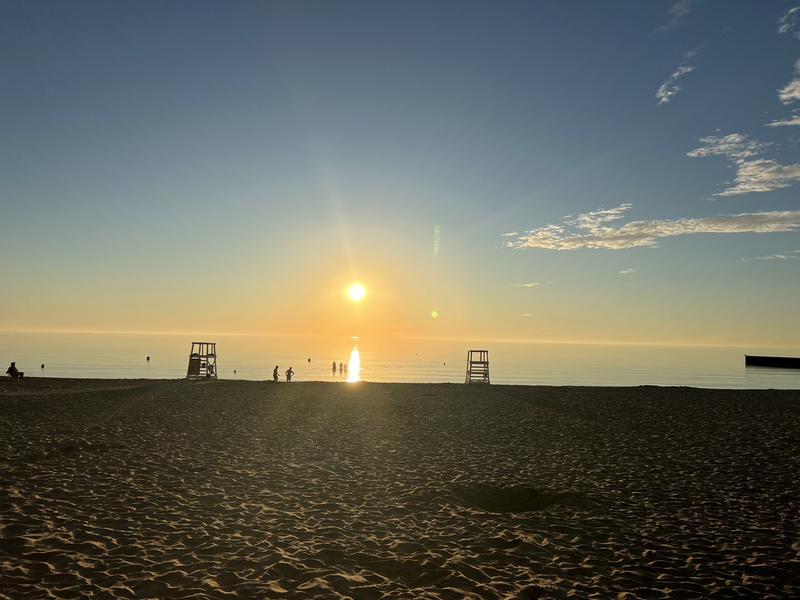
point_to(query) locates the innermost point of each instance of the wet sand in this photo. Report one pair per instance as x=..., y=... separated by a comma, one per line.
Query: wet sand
x=137, y=489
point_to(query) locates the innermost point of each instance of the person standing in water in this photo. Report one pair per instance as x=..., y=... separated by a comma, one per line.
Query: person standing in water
x=341, y=368
x=275, y=374
x=289, y=374
x=333, y=367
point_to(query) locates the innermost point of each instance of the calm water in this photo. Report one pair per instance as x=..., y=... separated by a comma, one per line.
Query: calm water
x=123, y=355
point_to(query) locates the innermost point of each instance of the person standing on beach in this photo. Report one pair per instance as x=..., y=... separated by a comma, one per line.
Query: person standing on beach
x=333, y=367
x=289, y=374
x=341, y=368
x=275, y=374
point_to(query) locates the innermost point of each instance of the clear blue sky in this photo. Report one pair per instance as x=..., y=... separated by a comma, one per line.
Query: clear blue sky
x=264, y=154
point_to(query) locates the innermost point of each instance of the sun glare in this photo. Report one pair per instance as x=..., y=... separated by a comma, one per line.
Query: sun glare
x=354, y=367
x=356, y=292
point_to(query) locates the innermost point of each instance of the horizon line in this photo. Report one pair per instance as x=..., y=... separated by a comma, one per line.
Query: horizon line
x=421, y=338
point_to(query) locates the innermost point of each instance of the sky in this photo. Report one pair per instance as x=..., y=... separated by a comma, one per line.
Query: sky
x=622, y=171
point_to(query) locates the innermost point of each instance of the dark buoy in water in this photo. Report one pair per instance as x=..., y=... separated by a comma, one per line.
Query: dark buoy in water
x=42, y=365
x=309, y=360
x=148, y=359
x=234, y=371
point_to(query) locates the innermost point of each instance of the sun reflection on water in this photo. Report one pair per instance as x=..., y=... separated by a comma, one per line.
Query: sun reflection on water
x=354, y=366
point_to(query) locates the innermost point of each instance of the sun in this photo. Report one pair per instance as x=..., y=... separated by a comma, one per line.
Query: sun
x=356, y=292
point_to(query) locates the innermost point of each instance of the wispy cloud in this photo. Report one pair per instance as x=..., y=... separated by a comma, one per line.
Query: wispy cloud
x=591, y=230
x=677, y=14
x=528, y=315
x=791, y=91
x=793, y=121
x=753, y=173
x=790, y=255
x=790, y=22
x=693, y=52
x=736, y=146
x=630, y=271
x=532, y=284
x=671, y=87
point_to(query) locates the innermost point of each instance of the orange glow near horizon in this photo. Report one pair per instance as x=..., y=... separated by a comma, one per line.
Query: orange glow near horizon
x=386, y=300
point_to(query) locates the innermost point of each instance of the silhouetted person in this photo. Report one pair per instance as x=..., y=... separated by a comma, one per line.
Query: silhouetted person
x=341, y=368
x=309, y=360
x=289, y=374
x=333, y=367
x=42, y=365
x=12, y=371
x=346, y=368
x=275, y=374
x=148, y=359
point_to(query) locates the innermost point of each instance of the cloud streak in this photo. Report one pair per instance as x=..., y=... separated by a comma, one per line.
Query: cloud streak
x=793, y=121
x=594, y=229
x=753, y=173
x=790, y=22
x=670, y=88
x=791, y=255
x=677, y=14
x=791, y=91
x=532, y=284
x=630, y=271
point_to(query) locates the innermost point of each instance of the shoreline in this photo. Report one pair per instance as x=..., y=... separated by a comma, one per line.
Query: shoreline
x=80, y=383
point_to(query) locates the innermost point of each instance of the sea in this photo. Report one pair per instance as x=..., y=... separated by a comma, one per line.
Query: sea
x=165, y=356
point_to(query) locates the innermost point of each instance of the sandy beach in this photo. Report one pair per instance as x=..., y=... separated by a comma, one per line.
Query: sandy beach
x=170, y=489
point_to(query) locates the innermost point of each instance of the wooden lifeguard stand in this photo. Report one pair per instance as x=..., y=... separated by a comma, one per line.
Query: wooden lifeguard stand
x=202, y=361
x=477, y=366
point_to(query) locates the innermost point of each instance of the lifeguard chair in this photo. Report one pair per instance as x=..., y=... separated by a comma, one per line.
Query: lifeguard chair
x=477, y=366
x=202, y=361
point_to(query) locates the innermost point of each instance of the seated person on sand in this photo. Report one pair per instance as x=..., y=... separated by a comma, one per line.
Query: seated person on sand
x=12, y=371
